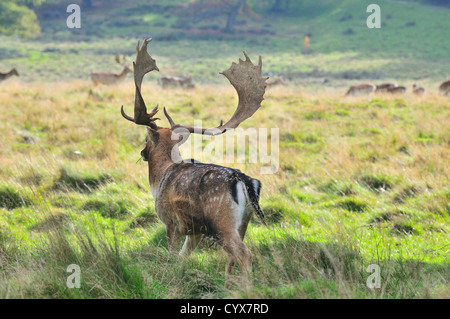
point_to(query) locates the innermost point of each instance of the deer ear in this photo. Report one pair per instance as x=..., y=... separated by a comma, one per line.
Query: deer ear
x=153, y=135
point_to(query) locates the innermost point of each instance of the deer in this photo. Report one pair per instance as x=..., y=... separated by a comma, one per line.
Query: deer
x=195, y=199
x=5, y=76
x=174, y=81
x=418, y=90
x=397, y=90
x=112, y=78
x=444, y=87
x=278, y=81
x=365, y=88
x=383, y=87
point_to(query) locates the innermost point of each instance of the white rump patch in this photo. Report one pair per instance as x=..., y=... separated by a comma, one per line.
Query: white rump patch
x=256, y=186
x=154, y=190
x=241, y=205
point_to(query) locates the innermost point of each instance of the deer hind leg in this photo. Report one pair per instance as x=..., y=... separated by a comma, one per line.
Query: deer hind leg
x=237, y=252
x=190, y=243
x=173, y=237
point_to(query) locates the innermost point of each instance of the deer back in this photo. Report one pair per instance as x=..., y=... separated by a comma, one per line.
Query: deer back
x=198, y=198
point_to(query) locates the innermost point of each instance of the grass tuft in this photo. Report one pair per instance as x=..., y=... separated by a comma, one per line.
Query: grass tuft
x=352, y=204
x=10, y=198
x=376, y=182
x=72, y=181
x=108, y=207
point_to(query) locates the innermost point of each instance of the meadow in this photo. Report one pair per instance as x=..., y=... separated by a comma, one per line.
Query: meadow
x=361, y=181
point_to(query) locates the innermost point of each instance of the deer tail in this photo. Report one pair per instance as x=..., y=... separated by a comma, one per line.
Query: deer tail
x=254, y=189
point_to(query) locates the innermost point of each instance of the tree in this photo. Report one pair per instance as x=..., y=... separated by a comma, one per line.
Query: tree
x=87, y=3
x=278, y=6
x=439, y=2
x=210, y=9
x=17, y=17
x=232, y=14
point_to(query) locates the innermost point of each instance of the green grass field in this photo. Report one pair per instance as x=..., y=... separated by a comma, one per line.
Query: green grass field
x=362, y=180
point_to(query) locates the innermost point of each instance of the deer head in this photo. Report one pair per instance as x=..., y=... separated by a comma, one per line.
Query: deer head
x=14, y=72
x=122, y=61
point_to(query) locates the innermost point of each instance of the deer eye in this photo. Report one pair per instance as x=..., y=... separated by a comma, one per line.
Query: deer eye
x=144, y=155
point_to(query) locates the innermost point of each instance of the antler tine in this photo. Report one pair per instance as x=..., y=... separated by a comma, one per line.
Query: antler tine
x=246, y=78
x=143, y=65
x=171, y=122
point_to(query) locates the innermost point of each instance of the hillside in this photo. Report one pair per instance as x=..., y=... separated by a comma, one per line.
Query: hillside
x=412, y=43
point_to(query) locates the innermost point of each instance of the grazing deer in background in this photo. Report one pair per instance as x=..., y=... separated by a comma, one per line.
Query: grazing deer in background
x=418, y=90
x=175, y=81
x=384, y=87
x=278, y=81
x=445, y=87
x=112, y=78
x=194, y=199
x=365, y=88
x=397, y=90
x=5, y=76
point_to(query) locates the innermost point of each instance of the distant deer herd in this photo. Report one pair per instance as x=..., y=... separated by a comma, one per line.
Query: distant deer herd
x=392, y=88
x=187, y=82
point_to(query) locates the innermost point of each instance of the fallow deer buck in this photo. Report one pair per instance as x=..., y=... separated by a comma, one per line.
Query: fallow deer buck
x=5, y=76
x=196, y=199
x=111, y=78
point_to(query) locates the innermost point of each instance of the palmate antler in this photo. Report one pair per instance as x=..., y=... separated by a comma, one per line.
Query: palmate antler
x=250, y=85
x=245, y=77
x=143, y=65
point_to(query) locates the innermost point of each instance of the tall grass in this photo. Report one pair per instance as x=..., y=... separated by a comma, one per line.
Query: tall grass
x=361, y=181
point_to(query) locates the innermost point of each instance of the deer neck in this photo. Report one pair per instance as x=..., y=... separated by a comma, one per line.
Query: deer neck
x=123, y=73
x=158, y=164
